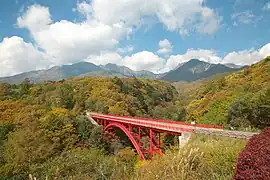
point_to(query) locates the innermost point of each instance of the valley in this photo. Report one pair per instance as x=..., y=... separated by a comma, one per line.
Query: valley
x=44, y=131
x=134, y=90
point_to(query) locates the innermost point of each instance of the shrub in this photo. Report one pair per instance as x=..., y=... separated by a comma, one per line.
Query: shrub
x=254, y=161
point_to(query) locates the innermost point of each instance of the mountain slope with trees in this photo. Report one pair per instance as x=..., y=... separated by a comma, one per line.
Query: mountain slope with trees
x=43, y=130
x=238, y=100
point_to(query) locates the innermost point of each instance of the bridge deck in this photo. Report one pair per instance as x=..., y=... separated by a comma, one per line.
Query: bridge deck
x=173, y=126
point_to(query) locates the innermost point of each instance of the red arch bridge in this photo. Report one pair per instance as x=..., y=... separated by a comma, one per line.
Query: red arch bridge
x=136, y=128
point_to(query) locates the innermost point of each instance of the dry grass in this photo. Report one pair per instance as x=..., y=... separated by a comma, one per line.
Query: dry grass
x=203, y=158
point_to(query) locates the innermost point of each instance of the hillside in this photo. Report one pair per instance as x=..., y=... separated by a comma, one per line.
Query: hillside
x=41, y=122
x=195, y=70
x=129, y=96
x=239, y=100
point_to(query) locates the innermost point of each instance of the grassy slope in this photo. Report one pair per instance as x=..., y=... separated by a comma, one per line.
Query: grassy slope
x=205, y=157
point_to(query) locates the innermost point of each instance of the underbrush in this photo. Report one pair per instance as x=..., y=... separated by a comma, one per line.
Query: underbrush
x=205, y=157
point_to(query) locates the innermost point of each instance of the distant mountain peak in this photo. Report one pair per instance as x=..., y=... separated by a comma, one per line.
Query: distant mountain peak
x=125, y=71
x=194, y=61
x=111, y=65
x=195, y=69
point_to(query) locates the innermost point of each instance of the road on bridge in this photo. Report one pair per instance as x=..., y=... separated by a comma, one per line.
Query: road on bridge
x=174, y=126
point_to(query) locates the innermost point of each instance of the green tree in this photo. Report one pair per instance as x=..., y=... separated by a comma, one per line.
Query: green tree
x=239, y=114
x=25, y=87
x=5, y=91
x=83, y=127
x=25, y=147
x=63, y=97
x=79, y=163
x=58, y=126
x=261, y=110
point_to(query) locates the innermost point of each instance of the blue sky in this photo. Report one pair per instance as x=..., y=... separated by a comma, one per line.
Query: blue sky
x=154, y=35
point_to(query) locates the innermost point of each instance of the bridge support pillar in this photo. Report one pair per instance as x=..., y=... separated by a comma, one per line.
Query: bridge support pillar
x=151, y=143
x=139, y=136
x=183, y=139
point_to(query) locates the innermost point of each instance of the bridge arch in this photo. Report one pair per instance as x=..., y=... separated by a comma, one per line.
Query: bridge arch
x=129, y=135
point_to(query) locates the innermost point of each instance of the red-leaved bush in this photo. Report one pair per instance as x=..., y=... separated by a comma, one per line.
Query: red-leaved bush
x=254, y=161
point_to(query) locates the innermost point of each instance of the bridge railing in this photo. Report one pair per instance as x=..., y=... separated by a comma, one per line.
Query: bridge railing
x=173, y=126
x=164, y=125
x=161, y=120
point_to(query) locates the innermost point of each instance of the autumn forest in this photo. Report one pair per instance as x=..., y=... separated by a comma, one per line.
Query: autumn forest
x=44, y=132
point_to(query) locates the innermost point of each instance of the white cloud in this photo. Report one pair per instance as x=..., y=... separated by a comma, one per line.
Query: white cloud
x=143, y=60
x=85, y=9
x=36, y=18
x=17, y=56
x=126, y=49
x=245, y=57
x=69, y=42
x=201, y=54
x=105, y=57
x=208, y=24
x=146, y=60
x=246, y=17
x=165, y=47
x=266, y=7
x=180, y=16
x=265, y=50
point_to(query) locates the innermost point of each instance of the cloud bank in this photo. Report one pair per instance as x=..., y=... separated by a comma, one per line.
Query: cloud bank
x=97, y=37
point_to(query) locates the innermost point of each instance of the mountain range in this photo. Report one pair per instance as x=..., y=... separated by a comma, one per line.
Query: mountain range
x=192, y=70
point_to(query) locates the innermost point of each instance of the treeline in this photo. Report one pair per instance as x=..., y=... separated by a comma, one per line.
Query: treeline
x=115, y=96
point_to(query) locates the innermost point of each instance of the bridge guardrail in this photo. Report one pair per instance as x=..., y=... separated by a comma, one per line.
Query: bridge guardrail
x=175, y=127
